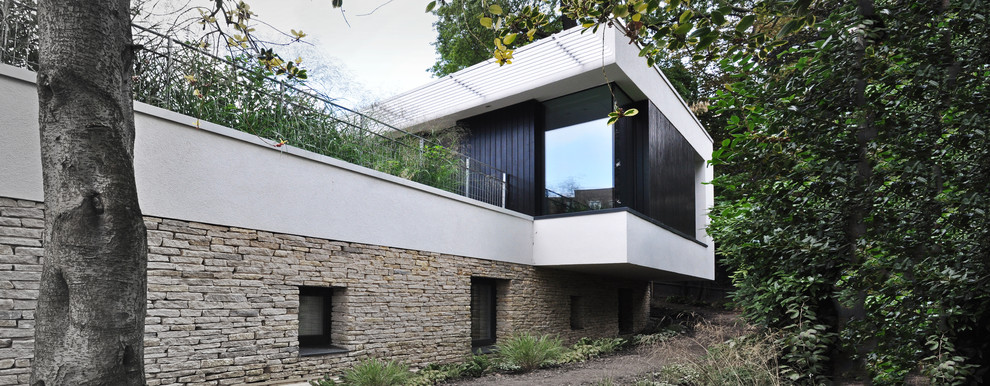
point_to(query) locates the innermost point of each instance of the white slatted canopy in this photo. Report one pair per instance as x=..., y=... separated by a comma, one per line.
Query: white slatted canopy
x=567, y=62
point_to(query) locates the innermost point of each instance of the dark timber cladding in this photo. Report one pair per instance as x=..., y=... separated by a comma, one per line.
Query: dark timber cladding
x=672, y=179
x=632, y=172
x=507, y=139
x=656, y=169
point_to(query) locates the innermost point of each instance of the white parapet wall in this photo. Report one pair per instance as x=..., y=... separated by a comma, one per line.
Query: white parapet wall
x=622, y=243
x=218, y=175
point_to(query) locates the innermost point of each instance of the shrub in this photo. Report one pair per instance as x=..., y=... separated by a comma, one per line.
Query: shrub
x=654, y=338
x=477, y=366
x=528, y=352
x=434, y=374
x=375, y=372
x=325, y=381
x=747, y=360
x=586, y=349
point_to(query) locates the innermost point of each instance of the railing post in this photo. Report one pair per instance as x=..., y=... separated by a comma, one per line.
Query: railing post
x=505, y=185
x=467, y=177
x=168, y=74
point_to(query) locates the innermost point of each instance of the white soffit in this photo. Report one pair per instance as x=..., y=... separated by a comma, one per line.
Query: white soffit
x=487, y=86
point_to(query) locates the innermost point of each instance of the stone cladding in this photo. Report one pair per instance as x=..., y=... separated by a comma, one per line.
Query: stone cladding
x=223, y=301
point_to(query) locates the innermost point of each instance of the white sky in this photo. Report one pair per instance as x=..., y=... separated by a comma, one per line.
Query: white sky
x=386, y=52
x=581, y=153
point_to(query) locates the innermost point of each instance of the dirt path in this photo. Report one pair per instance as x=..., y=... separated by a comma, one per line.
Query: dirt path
x=626, y=367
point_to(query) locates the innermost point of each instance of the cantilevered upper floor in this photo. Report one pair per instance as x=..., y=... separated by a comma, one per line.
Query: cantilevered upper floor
x=628, y=198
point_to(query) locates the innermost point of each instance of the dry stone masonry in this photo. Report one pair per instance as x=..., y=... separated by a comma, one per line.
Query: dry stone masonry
x=223, y=302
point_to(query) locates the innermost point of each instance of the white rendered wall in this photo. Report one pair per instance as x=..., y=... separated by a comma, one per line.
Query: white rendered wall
x=618, y=237
x=655, y=247
x=20, y=142
x=221, y=176
x=580, y=239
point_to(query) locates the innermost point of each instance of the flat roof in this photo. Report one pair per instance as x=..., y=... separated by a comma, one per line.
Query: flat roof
x=561, y=64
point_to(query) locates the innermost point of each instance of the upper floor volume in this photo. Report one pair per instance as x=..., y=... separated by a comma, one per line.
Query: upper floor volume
x=542, y=119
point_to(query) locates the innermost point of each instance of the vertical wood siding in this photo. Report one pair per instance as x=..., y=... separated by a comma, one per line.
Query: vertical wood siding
x=656, y=168
x=511, y=139
x=632, y=170
x=672, y=164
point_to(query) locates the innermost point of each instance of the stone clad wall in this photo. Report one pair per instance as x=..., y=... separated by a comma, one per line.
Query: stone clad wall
x=21, y=227
x=223, y=301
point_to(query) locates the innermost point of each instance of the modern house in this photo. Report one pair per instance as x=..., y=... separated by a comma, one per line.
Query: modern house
x=275, y=264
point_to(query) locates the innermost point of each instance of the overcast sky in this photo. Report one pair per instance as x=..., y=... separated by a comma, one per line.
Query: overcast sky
x=387, y=52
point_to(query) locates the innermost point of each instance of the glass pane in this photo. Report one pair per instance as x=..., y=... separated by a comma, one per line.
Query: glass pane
x=579, y=167
x=311, y=315
x=481, y=311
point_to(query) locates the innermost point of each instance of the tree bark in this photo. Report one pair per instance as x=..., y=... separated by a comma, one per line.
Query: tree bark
x=91, y=307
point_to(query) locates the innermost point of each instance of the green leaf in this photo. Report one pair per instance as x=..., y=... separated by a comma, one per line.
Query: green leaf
x=706, y=40
x=685, y=16
x=701, y=31
x=789, y=28
x=745, y=23
x=430, y=6
x=508, y=39
x=495, y=9
x=620, y=11
x=646, y=50
x=486, y=22
x=718, y=18
x=683, y=29
x=630, y=112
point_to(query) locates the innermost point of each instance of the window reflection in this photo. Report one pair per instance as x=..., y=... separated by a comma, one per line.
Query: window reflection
x=579, y=170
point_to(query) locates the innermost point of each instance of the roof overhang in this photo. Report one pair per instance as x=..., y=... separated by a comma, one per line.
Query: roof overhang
x=564, y=63
x=557, y=65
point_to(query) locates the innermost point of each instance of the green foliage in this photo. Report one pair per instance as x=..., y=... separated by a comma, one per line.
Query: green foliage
x=375, y=372
x=461, y=39
x=325, y=381
x=586, y=349
x=684, y=82
x=748, y=360
x=528, y=352
x=655, y=338
x=254, y=90
x=477, y=365
x=852, y=202
x=843, y=219
x=433, y=374
x=241, y=93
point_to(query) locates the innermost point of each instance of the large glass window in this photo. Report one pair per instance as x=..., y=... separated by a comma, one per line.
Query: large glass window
x=579, y=167
x=578, y=151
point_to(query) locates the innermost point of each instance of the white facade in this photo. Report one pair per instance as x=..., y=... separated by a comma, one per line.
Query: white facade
x=218, y=175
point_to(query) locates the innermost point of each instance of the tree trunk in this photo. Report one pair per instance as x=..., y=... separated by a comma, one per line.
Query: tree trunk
x=91, y=307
